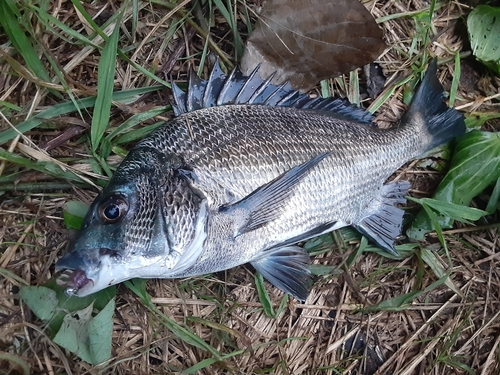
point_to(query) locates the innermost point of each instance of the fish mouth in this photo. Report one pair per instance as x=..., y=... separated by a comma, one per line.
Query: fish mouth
x=73, y=274
x=74, y=282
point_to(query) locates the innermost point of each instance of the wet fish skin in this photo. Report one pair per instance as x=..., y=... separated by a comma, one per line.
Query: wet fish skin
x=244, y=181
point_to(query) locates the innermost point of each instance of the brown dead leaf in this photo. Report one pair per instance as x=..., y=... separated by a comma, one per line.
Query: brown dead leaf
x=305, y=41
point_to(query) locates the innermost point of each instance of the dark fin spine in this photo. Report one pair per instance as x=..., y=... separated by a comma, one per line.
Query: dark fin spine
x=237, y=88
x=288, y=269
x=382, y=223
x=441, y=122
x=196, y=92
x=179, y=104
x=252, y=84
x=214, y=86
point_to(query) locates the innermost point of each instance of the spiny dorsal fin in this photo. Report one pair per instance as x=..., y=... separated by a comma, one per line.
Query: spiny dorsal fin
x=236, y=88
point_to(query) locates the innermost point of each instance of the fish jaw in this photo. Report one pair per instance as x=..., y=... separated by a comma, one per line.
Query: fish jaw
x=88, y=271
x=82, y=272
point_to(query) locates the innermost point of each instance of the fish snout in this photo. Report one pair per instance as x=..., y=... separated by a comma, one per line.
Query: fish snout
x=74, y=273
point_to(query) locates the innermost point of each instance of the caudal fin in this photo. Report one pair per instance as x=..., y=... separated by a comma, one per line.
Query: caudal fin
x=441, y=122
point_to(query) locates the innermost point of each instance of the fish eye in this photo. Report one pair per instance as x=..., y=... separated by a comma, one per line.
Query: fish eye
x=112, y=209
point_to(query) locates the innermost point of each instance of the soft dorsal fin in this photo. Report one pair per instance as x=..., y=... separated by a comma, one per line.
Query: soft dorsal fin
x=236, y=88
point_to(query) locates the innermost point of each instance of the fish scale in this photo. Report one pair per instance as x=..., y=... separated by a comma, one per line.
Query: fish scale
x=211, y=163
x=245, y=172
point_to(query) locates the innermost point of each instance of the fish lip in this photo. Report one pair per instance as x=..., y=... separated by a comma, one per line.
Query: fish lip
x=75, y=282
x=77, y=273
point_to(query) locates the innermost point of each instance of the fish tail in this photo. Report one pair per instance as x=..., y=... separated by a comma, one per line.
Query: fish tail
x=429, y=111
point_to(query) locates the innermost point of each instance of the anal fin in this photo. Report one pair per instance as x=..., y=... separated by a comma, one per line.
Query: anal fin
x=382, y=223
x=286, y=268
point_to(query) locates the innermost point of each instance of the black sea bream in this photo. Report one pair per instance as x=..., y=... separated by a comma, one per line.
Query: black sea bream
x=243, y=173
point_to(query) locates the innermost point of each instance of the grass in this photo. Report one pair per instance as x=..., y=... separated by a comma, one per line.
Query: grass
x=101, y=69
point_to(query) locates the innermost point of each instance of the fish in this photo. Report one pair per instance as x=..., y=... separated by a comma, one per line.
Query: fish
x=245, y=172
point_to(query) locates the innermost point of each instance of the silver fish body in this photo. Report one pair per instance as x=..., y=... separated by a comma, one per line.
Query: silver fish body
x=243, y=174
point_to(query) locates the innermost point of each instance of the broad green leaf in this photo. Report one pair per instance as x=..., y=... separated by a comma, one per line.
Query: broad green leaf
x=475, y=166
x=452, y=210
x=100, y=332
x=41, y=300
x=87, y=336
x=476, y=120
x=483, y=25
x=105, y=87
x=494, y=202
x=74, y=212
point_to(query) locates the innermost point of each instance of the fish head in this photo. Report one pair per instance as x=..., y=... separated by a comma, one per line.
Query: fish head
x=147, y=222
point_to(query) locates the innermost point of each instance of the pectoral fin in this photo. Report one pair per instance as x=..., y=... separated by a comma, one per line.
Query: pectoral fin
x=383, y=221
x=286, y=268
x=267, y=202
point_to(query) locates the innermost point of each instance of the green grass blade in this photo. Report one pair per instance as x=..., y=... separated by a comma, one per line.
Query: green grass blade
x=105, y=86
x=4, y=104
x=452, y=210
x=227, y=13
x=135, y=135
x=387, y=93
x=9, y=20
x=353, y=93
x=46, y=167
x=99, y=31
x=264, y=298
x=439, y=231
x=48, y=20
x=124, y=96
x=135, y=18
x=456, y=80
x=432, y=261
x=136, y=119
